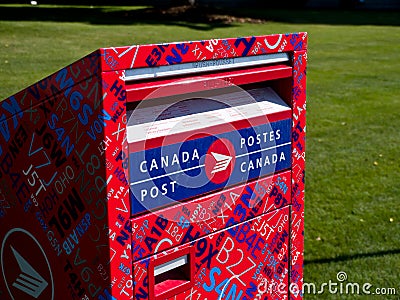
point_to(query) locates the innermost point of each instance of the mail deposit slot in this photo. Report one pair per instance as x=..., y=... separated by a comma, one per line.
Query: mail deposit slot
x=166, y=171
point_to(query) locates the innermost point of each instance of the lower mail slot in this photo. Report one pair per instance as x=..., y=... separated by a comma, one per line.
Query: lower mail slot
x=172, y=273
x=246, y=261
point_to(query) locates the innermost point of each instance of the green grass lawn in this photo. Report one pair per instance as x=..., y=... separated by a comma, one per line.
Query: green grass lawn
x=352, y=214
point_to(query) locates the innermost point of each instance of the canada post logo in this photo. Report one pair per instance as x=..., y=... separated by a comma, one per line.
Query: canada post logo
x=159, y=176
x=220, y=161
x=25, y=268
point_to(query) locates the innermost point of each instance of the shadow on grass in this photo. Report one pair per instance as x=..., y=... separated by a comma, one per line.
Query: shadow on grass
x=327, y=17
x=342, y=258
x=181, y=16
x=201, y=18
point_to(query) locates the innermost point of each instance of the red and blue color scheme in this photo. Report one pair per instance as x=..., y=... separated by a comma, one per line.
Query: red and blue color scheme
x=67, y=227
x=191, y=172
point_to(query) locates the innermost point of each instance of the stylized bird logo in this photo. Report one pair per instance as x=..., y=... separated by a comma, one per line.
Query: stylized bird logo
x=29, y=281
x=222, y=162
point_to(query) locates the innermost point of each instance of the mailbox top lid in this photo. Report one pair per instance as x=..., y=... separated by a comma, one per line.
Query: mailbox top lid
x=120, y=59
x=152, y=55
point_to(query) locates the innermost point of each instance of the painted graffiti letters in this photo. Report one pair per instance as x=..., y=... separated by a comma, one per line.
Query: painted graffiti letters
x=67, y=213
x=66, y=171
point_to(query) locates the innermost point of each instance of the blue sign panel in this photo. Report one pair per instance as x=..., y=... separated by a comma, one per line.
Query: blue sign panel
x=194, y=167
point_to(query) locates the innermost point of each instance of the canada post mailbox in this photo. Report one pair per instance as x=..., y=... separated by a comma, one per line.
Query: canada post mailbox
x=170, y=171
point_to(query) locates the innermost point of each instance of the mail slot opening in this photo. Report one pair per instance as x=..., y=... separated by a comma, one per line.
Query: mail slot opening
x=172, y=275
x=212, y=88
x=281, y=86
x=150, y=83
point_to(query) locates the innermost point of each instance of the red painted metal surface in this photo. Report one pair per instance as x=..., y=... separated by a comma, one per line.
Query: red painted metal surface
x=145, y=90
x=64, y=189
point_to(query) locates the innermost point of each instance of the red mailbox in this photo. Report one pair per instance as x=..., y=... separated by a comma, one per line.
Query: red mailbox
x=170, y=171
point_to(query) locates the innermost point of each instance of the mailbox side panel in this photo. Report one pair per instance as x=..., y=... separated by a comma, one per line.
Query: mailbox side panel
x=39, y=227
x=60, y=202
x=298, y=173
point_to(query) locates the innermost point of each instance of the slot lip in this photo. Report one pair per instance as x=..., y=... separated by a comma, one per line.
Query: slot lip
x=204, y=66
x=170, y=265
x=156, y=261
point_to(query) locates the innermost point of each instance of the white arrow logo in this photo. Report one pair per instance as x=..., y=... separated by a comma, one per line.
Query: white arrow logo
x=222, y=162
x=29, y=281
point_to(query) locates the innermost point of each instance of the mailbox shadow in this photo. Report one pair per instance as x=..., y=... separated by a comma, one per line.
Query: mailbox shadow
x=343, y=258
x=205, y=19
x=200, y=18
x=328, y=16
